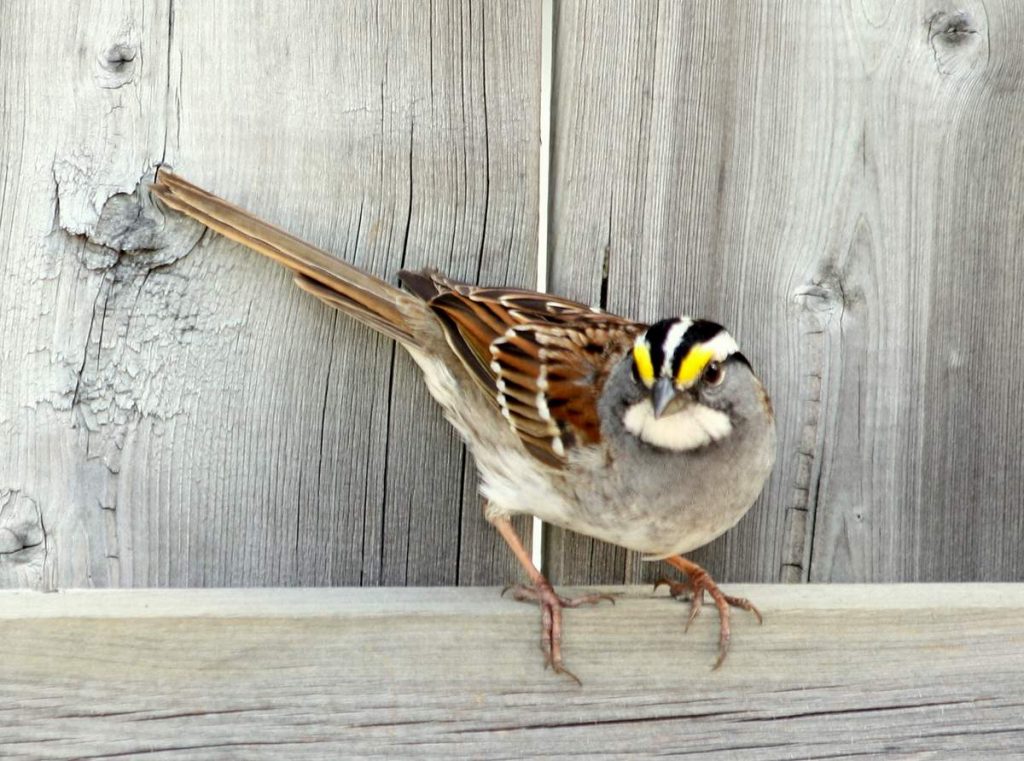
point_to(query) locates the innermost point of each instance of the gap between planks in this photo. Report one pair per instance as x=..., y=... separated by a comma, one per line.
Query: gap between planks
x=547, y=26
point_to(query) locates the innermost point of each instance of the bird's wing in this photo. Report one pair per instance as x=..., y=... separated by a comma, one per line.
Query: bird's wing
x=543, y=360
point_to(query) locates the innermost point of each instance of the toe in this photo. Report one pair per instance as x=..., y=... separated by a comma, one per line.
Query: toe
x=744, y=604
x=676, y=589
x=588, y=599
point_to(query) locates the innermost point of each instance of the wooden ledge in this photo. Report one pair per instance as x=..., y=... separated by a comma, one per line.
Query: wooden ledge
x=313, y=673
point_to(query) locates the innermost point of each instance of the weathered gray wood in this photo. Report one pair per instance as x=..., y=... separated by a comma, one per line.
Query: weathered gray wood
x=172, y=410
x=79, y=369
x=835, y=671
x=840, y=184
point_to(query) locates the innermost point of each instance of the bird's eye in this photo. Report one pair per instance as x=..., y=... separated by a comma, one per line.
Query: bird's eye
x=714, y=374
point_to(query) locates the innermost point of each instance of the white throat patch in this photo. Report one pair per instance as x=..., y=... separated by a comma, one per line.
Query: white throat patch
x=693, y=427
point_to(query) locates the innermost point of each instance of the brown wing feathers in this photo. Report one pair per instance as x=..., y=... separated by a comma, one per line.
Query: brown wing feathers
x=541, y=358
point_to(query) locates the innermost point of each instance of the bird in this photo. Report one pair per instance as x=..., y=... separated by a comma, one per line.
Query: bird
x=655, y=437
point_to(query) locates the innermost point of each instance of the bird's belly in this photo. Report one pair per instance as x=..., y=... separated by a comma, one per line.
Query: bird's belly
x=655, y=516
x=657, y=523
x=656, y=533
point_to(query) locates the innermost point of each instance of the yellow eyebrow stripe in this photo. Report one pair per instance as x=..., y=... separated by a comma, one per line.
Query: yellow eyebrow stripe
x=644, y=366
x=693, y=365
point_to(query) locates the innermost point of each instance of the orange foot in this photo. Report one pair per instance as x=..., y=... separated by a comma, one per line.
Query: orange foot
x=551, y=604
x=697, y=583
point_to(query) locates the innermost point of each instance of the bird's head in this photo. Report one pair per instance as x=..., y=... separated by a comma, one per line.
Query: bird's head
x=694, y=385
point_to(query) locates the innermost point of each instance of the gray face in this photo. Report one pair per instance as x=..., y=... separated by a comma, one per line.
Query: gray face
x=692, y=389
x=736, y=395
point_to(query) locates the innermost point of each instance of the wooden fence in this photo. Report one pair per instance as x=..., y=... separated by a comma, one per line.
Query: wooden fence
x=840, y=183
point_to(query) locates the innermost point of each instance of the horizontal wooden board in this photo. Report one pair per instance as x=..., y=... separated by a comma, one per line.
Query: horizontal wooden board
x=274, y=673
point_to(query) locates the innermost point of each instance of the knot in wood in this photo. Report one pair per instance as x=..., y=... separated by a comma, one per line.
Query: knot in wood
x=117, y=66
x=21, y=525
x=117, y=57
x=826, y=295
x=951, y=28
x=125, y=224
x=957, y=41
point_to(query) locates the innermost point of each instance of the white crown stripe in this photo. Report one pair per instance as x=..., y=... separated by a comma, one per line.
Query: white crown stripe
x=673, y=338
x=721, y=346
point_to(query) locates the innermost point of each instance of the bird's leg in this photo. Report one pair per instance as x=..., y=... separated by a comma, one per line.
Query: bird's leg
x=698, y=581
x=541, y=592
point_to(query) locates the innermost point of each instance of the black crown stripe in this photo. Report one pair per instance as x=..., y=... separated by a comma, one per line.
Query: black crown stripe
x=656, y=335
x=698, y=333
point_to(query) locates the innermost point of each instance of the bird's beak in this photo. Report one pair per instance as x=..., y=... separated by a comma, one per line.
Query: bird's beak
x=662, y=393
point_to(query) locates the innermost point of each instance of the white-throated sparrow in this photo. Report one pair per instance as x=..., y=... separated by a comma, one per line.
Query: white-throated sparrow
x=656, y=438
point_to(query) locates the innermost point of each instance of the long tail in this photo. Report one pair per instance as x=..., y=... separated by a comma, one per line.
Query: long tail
x=367, y=298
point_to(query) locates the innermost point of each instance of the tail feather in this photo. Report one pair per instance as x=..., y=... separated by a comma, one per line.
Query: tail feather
x=367, y=298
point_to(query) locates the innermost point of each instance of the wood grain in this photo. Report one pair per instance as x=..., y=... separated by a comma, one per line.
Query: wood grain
x=906, y=670
x=173, y=411
x=841, y=185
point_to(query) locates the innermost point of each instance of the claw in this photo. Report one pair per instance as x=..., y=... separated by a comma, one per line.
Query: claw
x=667, y=582
x=695, y=608
x=564, y=672
x=723, y=650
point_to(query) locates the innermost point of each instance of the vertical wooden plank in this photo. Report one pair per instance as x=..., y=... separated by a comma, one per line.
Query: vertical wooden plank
x=230, y=430
x=75, y=139
x=805, y=173
x=661, y=204
x=933, y=492
x=379, y=139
